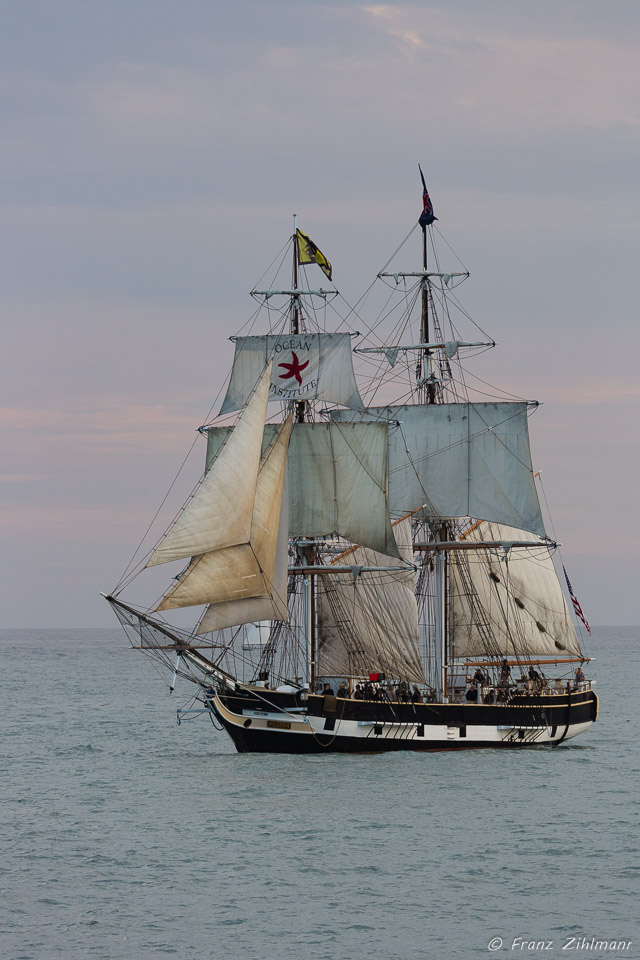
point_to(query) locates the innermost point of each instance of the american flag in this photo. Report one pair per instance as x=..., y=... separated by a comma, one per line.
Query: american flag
x=576, y=603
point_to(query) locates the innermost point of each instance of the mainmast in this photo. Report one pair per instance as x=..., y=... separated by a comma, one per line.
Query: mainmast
x=440, y=531
x=424, y=370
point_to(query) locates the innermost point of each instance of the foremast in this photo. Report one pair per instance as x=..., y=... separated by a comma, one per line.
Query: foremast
x=294, y=312
x=306, y=553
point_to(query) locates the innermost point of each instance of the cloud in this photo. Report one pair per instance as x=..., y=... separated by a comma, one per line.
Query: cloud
x=508, y=74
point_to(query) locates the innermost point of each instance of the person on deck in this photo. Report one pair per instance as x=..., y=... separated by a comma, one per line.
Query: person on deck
x=343, y=691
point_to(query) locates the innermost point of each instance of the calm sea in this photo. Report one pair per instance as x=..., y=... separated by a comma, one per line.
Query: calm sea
x=127, y=836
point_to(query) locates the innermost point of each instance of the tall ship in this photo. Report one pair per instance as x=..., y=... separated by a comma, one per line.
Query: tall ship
x=365, y=556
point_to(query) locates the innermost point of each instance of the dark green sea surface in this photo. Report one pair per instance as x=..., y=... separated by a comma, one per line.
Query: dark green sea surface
x=127, y=836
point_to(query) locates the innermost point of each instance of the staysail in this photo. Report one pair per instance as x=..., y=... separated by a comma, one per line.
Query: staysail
x=271, y=606
x=369, y=622
x=306, y=366
x=509, y=607
x=219, y=513
x=243, y=570
x=337, y=478
x=459, y=460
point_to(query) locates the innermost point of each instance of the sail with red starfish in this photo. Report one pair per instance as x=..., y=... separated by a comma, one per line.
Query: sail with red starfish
x=306, y=366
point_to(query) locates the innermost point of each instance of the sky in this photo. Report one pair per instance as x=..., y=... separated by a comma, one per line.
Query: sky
x=152, y=156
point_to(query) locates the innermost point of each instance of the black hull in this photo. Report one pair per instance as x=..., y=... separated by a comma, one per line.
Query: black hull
x=263, y=723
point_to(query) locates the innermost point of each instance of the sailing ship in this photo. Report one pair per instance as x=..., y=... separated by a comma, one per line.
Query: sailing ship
x=367, y=574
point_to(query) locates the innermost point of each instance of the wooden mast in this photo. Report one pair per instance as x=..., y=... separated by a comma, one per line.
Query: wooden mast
x=308, y=552
x=295, y=313
x=441, y=533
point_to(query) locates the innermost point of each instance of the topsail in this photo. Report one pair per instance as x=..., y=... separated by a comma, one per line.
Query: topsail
x=460, y=460
x=306, y=366
x=337, y=480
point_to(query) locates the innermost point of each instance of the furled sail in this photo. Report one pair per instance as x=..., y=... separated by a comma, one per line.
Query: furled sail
x=272, y=606
x=220, y=511
x=243, y=570
x=512, y=607
x=337, y=481
x=460, y=460
x=306, y=366
x=370, y=622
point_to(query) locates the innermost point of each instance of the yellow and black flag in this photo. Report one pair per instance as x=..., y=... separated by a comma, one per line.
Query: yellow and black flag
x=309, y=253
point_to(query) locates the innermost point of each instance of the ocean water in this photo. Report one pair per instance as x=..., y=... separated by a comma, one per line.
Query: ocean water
x=127, y=836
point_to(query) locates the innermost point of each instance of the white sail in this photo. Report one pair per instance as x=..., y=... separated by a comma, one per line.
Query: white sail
x=337, y=481
x=460, y=460
x=272, y=606
x=370, y=622
x=220, y=511
x=512, y=607
x=306, y=366
x=244, y=570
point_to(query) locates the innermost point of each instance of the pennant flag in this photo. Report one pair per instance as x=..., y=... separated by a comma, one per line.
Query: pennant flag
x=576, y=604
x=309, y=253
x=427, y=216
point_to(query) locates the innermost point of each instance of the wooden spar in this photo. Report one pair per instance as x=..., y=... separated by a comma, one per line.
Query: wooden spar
x=312, y=571
x=480, y=545
x=206, y=646
x=518, y=663
x=475, y=526
x=179, y=645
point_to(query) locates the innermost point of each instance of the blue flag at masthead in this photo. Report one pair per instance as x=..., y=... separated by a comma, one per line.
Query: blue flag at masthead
x=427, y=215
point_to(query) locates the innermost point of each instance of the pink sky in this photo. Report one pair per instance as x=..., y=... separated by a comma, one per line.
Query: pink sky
x=152, y=165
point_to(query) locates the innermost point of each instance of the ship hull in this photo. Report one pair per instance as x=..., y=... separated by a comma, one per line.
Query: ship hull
x=273, y=724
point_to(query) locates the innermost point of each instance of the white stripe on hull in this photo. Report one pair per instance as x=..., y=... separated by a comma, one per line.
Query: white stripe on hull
x=377, y=732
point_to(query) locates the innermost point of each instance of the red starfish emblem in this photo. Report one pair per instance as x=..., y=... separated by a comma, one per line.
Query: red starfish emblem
x=295, y=369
